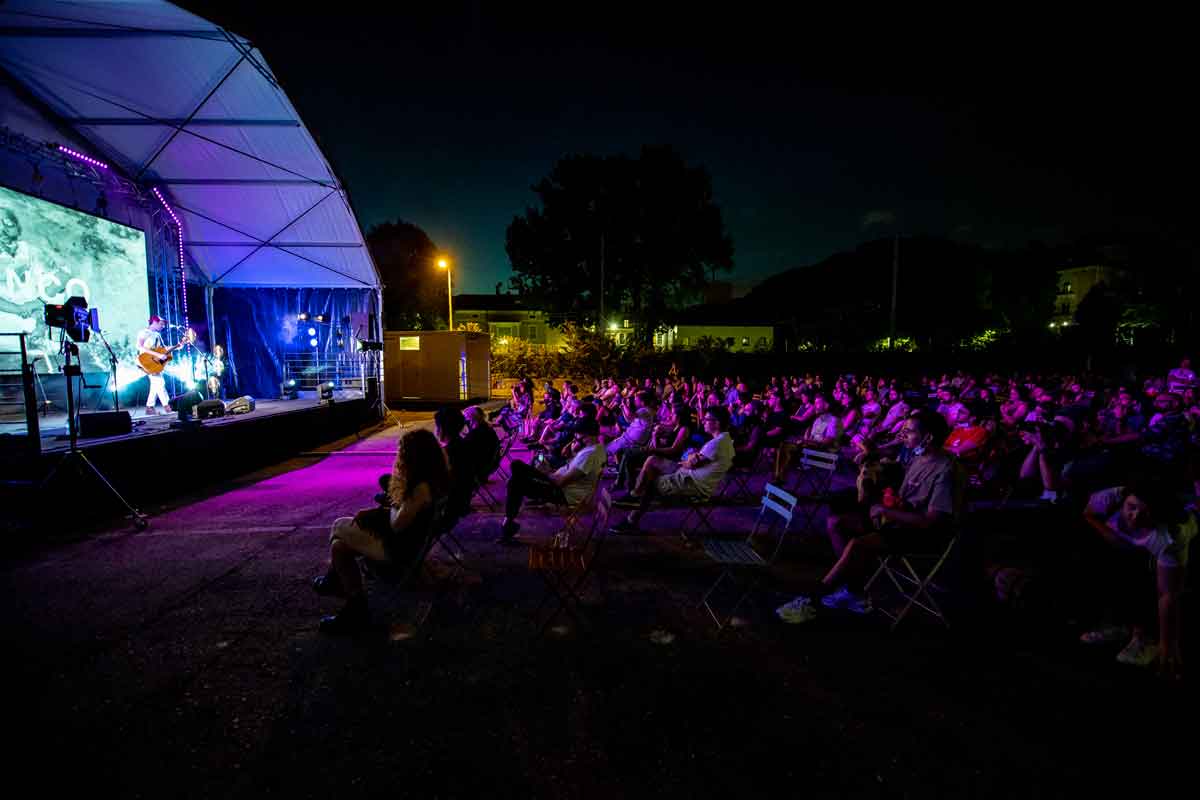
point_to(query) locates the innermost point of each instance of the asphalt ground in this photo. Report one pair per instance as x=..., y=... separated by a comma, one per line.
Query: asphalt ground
x=185, y=661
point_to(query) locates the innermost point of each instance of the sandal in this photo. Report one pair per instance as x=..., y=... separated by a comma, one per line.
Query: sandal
x=1109, y=633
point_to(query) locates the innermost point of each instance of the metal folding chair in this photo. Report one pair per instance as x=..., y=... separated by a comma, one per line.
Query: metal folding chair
x=912, y=585
x=502, y=455
x=565, y=567
x=814, y=476
x=737, y=556
x=408, y=576
x=736, y=486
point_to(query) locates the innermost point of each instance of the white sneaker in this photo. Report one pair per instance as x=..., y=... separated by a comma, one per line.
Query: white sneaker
x=1138, y=653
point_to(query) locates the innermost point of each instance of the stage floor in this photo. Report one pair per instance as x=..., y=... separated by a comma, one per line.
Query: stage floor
x=54, y=426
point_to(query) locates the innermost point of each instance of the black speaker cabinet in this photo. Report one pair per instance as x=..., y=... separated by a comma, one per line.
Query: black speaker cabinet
x=104, y=423
x=210, y=409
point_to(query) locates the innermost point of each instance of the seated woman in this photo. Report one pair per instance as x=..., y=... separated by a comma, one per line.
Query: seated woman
x=392, y=535
x=668, y=441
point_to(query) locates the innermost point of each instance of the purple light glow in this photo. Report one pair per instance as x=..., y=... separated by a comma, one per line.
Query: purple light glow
x=82, y=157
x=179, y=240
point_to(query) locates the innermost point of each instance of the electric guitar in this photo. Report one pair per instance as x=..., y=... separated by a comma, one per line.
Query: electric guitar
x=153, y=366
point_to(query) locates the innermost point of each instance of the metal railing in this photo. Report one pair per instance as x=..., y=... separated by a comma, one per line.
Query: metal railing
x=18, y=400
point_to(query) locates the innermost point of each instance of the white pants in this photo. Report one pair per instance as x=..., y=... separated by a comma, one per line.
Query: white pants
x=158, y=391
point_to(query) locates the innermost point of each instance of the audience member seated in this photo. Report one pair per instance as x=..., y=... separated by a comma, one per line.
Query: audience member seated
x=568, y=485
x=640, y=425
x=921, y=518
x=668, y=442
x=393, y=535
x=483, y=441
x=824, y=434
x=448, y=424
x=695, y=477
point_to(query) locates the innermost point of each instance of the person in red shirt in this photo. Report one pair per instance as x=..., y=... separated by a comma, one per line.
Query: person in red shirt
x=968, y=436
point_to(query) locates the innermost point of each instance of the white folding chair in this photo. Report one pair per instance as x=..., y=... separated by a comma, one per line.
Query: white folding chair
x=914, y=586
x=814, y=476
x=737, y=556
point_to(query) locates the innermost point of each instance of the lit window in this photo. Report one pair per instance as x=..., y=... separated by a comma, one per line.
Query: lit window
x=745, y=341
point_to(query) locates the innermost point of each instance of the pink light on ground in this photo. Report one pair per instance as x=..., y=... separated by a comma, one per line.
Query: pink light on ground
x=82, y=157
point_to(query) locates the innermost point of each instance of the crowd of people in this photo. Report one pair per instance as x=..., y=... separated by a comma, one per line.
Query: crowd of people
x=1122, y=458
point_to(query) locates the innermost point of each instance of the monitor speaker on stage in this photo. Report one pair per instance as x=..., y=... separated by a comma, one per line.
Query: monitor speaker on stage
x=104, y=423
x=210, y=409
x=241, y=405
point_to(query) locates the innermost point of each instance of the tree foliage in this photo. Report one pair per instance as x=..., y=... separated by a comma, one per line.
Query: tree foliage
x=414, y=294
x=651, y=220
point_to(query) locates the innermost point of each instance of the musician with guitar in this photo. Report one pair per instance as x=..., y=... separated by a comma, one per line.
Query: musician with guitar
x=152, y=358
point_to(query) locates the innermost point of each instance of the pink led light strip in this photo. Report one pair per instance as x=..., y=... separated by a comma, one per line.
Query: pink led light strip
x=82, y=157
x=179, y=239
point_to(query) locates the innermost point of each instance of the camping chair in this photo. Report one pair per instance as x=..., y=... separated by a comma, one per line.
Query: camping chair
x=565, y=567
x=737, y=556
x=814, y=476
x=913, y=586
x=409, y=576
x=502, y=454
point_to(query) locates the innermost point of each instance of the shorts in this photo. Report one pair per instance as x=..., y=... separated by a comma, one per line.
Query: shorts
x=678, y=484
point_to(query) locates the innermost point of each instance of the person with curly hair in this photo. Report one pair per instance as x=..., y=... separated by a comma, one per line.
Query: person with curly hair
x=392, y=534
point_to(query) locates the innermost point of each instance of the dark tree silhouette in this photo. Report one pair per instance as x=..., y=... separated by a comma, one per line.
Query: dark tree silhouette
x=652, y=220
x=414, y=294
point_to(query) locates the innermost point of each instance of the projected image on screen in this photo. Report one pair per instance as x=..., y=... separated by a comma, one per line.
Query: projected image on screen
x=48, y=253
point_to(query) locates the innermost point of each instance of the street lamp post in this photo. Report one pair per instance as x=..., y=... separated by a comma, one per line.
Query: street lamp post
x=444, y=264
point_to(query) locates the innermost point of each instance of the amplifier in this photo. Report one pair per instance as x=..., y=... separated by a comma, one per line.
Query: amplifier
x=210, y=409
x=104, y=423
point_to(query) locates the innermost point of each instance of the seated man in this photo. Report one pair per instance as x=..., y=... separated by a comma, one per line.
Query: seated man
x=920, y=518
x=568, y=485
x=482, y=440
x=697, y=476
x=448, y=424
x=637, y=434
x=551, y=410
x=967, y=434
x=824, y=434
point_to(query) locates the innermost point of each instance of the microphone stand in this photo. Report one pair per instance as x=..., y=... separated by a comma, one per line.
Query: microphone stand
x=112, y=362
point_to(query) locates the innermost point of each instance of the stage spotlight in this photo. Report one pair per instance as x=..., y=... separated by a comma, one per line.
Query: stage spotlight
x=319, y=317
x=302, y=316
x=72, y=316
x=327, y=393
x=183, y=405
x=312, y=331
x=312, y=342
x=287, y=390
x=366, y=346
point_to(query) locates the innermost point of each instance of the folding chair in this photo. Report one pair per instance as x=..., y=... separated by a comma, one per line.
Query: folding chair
x=699, y=509
x=572, y=514
x=913, y=586
x=814, y=476
x=407, y=577
x=740, y=556
x=502, y=454
x=736, y=485
x=565, y=567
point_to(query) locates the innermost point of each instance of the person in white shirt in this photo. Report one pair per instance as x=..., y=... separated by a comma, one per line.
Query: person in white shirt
x=148, y=339
x=1135, y=521
x=1181, y=377
x=570, y=485
x=697, y=476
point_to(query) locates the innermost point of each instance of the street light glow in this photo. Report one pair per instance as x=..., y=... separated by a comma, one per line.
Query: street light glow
x=443, y=263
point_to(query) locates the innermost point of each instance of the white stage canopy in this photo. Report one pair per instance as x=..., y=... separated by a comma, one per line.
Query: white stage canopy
x=178, y=103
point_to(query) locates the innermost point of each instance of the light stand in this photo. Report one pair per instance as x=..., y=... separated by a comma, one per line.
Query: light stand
x=77, y=457
x=112, y=364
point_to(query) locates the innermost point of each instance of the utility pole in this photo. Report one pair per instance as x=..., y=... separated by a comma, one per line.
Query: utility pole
x=895, y=281
x=600, y=322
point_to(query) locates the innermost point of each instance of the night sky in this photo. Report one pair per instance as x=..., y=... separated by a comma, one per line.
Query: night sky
x=819, y=132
